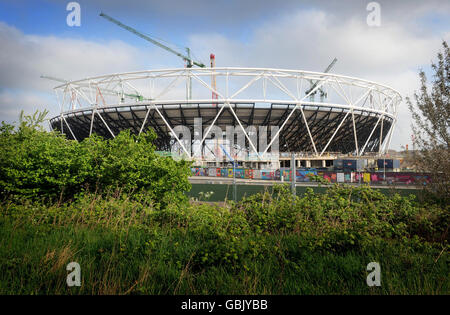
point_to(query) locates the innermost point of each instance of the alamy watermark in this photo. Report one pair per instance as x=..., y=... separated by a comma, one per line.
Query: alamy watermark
x=74, y=17
x=74, y=277
x=374, y=277
x=239, y=143
x=374, y=17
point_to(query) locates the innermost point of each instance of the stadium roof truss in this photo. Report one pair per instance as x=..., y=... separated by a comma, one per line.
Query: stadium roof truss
x=356, y=117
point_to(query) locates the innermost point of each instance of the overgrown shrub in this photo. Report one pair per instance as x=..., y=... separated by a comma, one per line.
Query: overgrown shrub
x=345, y=216
x=121, y=218
x=39, y=164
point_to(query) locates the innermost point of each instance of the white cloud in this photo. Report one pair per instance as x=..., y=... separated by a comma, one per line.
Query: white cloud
x=305, y=39
x=310, y=39
x=24, y=58
x=12, y=103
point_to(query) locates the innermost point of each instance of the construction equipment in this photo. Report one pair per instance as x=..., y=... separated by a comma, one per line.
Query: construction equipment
x=189, y=61
x=188, y=58
x=53, y=79
x=122, y=94
x=323, y=94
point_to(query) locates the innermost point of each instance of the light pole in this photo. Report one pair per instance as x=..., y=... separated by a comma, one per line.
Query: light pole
x=234, y=174
x=233, y=160
x=293, y=175
x=234, y=181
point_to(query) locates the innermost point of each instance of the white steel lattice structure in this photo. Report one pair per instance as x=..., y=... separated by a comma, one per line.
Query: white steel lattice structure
x=357, y=116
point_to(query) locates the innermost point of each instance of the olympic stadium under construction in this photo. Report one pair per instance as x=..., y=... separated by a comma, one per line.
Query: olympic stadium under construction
x=357, y=117
x=258, y=117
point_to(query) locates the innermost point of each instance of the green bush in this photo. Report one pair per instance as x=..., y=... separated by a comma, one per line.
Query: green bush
x=124, y=220
x=39, y=164
x=345, y=216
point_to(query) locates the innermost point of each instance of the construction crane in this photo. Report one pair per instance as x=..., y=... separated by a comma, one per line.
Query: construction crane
x=187, y=58
x=138, y=97
x=323, y=94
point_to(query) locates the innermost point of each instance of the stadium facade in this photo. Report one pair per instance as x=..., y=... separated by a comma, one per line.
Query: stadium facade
x=212, y=115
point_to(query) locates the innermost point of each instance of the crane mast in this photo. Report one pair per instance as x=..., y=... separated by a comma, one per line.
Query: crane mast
x=323, y=94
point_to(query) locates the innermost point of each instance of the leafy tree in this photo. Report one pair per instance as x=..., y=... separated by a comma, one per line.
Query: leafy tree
x=430, y=110
x=36, y=163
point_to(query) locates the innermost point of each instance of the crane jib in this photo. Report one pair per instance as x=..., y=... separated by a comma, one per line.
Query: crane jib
x=147, y=38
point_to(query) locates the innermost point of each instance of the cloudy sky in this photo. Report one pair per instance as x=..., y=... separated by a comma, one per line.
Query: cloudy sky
x=35, y=39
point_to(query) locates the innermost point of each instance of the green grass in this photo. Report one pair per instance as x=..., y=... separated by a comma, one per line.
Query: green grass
x=33, y=261
x=267, y=244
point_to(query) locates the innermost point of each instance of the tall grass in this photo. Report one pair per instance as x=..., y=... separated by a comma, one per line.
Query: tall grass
x=266, y=244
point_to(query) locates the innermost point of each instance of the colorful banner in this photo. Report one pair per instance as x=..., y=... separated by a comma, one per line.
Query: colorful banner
x=305, y=176
x=366, y=177
x=408, y=178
